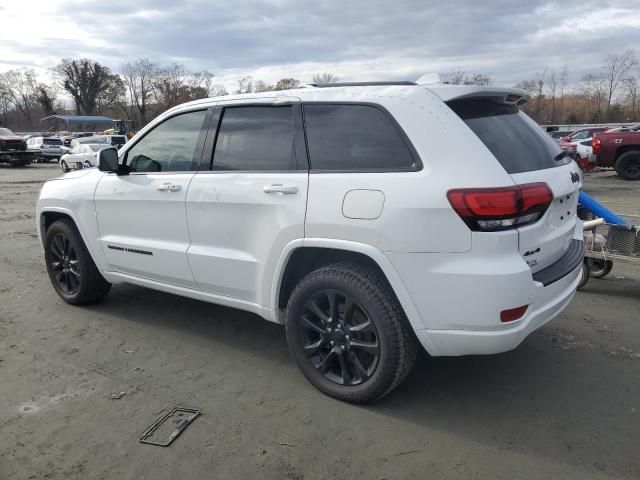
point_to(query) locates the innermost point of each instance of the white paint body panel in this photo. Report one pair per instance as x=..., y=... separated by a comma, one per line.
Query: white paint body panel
x=221, y=238
x=238, y=231
x=133, y=214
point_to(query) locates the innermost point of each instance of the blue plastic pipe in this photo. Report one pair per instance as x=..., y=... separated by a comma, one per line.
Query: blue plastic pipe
x=599, y=210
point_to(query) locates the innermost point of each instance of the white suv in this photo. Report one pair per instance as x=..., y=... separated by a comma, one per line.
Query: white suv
x=367, y=218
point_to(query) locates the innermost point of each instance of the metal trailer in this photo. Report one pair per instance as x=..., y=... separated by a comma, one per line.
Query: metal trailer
x=608, y=237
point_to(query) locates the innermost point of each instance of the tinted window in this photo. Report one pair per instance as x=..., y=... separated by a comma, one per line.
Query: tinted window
x=518, y=142
x=169, y=147
x=255, y=138
x=52, y=141
x=354, y=137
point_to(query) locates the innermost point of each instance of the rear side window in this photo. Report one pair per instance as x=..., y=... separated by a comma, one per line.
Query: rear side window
x=256, y=138
x=52, y=141
x=518, y=142
x=354, y=137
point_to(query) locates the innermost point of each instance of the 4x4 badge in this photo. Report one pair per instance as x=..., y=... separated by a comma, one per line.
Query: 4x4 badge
x=575, y=177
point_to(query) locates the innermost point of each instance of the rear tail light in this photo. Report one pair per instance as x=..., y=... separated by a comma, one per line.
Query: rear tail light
x=494, y=209
x=595, y=145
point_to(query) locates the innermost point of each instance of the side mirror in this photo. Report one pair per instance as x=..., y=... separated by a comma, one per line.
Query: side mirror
x=108, y=160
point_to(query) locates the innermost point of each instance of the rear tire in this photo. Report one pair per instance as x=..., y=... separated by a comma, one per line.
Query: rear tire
x=599, y=268
x=628, y=165
x=71, y=269
x=358, y=350
x=585, y=274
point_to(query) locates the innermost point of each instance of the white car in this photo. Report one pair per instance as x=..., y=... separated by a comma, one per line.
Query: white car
x=81, y=155
x=47, y=147
x=366, y=218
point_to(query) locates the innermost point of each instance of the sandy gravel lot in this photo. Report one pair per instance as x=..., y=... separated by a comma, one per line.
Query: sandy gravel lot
x=565, y=404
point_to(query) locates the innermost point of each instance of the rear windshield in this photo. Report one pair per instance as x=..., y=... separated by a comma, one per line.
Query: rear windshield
x=518, y=142
x=52, y=141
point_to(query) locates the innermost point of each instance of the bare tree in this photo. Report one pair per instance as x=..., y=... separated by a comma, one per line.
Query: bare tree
x=630, y=85
x=168, y=86
x=478, y=79
x=20, y=88
x=616, y=67
x=594, y=90
x=261, y=86
x=553, y=86
x=139, y=78
x=563, y=80
x=324, y=77
x=455, y=77
x=540, y=79
x=46, y=97
x=217, y=91
x=530, y=87
x=85, y=80
x=245, y=85
x=287, y=84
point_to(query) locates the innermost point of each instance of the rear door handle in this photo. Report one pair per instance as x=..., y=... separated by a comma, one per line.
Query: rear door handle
x=169, y=187
x=280, y=188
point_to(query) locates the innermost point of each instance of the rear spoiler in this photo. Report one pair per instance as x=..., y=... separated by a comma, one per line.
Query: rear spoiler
x=447, y=93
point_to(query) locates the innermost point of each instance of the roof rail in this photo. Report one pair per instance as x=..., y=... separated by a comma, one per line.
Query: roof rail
x=359, y=84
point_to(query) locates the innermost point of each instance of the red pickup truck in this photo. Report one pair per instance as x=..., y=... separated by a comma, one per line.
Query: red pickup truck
x=620, y=150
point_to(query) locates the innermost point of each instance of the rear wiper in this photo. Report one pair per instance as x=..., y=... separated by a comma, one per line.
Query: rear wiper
x=561, y=155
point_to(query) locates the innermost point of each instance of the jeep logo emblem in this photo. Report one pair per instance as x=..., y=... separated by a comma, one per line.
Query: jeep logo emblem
x=575, y=177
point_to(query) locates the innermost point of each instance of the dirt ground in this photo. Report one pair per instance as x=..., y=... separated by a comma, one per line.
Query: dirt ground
x=565, y=404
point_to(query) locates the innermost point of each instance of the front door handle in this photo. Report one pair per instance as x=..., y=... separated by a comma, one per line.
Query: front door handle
x=280, y=188
x=169, y=187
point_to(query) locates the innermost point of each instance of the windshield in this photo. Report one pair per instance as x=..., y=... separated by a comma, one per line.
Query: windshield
x=118, y=140
x=5, y=131
x=517, y=142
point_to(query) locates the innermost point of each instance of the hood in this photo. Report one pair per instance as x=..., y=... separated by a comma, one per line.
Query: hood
x=11, y=137
x=78, y=173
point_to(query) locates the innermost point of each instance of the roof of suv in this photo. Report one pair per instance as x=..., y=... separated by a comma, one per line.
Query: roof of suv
x=361, y=91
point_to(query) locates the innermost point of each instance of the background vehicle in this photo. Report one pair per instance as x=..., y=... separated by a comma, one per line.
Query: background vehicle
x=330, y=210
x=559, y=135
x=47, y=148
x=113, y=140
x=569, y=142
x=620, y=150
x=13, y=149
x=81, y=155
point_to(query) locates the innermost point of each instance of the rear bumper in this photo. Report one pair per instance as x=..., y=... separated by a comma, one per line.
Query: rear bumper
x=551, y=300
x=459, y=296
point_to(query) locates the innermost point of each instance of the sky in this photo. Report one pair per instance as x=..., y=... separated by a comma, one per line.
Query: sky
x=354, y=39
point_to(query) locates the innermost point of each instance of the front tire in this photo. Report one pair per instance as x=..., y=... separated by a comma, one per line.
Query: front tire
x=628, y=165
x=348, y=334
x=71, y=269
x=64, y=166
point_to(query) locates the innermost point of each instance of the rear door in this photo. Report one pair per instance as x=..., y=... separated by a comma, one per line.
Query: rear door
x=249, y=199
x=529, y=155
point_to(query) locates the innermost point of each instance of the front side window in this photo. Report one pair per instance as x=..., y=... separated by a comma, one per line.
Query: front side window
x=354, y=137
x=256, y=138
x=169, y=147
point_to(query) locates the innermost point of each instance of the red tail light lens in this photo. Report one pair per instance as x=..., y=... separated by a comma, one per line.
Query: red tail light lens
x=494, y=209
x=513, y=314
x=595, y=145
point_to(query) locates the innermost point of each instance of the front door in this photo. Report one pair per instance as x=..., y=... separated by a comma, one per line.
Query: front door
x=142, y=215
x=252, y=200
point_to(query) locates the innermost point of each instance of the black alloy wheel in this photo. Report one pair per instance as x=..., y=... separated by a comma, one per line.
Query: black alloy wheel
x=339, y=338
x=64, y=264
